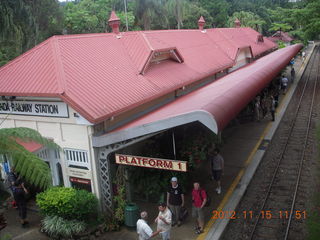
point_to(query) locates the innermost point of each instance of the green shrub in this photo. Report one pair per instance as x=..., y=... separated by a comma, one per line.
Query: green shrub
x=57, y=227
x=68, y=203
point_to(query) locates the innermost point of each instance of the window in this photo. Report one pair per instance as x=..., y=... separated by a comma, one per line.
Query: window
x=160, y=55
x=76, y=157
x=44, y=154
x=57, y=154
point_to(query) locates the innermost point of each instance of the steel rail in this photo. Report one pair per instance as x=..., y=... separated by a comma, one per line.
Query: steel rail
x=284, y=149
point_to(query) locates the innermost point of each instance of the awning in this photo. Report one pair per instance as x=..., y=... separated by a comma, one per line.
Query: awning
x=213, y=105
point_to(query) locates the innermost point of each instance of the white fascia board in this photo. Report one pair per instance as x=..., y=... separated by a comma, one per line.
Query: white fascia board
x=200, y=115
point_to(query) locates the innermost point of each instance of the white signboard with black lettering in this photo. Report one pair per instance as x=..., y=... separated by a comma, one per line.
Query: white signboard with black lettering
x=30, y=108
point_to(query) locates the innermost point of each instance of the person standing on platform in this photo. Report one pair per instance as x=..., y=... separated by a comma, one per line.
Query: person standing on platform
x=303, y=56
x=293, y=74
x=217, y=165
x=275, y=95
x=257, y=109
x=164, y=221
x=272, y=107
x=12, y=179
x=292, y=62
x=19, y=194
x=199, y=199
x=143, y=229
x=264, y=107
x=175, y=200
x=284, y=84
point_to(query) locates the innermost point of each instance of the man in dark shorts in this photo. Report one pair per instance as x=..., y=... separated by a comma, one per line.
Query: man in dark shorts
x=217, y=165
x=175, y=200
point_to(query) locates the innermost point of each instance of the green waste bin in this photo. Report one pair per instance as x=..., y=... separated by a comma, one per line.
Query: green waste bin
x=131, y=215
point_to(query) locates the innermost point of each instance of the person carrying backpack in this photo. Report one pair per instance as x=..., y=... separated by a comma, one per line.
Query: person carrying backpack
x=199, y=199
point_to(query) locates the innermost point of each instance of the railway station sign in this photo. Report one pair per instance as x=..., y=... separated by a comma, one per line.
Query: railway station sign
x=158, y=163
x=35, y=108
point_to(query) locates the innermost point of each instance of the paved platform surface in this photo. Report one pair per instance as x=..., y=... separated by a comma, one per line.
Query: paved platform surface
x=241, y=143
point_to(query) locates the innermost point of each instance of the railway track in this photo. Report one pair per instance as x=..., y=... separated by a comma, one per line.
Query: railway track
x=277, y=210
x=276, y=201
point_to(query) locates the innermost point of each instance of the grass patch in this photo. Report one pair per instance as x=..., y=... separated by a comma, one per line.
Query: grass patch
x=313, y=218
x=6, y=237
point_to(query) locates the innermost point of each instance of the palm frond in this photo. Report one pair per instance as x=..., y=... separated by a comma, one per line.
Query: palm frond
x=29, y=166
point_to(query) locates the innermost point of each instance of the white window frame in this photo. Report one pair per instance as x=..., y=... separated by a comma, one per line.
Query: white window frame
x=77, y=157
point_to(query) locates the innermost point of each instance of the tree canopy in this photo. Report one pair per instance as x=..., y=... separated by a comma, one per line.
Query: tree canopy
x=25, y=23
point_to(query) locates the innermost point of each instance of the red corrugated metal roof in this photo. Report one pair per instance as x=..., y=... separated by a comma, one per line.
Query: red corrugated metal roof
x=99, y=74
x=280, y=36
x=219, y=101
x=232, y=39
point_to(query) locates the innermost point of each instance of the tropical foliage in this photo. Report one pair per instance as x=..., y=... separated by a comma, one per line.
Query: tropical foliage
x=34, y=170
x=23, y=24
x=68, y=203
x=57, y=227
x=247, y=19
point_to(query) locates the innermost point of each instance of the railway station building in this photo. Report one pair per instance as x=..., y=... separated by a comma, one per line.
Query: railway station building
x=94, y=94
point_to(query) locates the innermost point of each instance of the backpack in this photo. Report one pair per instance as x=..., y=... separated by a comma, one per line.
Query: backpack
x=183, y=213
x=208, y=198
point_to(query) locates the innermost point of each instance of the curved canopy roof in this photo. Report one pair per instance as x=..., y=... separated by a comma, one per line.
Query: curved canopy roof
x=213, y=105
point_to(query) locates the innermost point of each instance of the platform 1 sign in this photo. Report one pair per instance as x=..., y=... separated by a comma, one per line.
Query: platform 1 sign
x=138, y=161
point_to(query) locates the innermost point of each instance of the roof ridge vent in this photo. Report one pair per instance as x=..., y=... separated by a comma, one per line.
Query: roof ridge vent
x=201, y=23
x=237, y=23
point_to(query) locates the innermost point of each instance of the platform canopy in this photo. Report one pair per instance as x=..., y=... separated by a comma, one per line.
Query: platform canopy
x=213, y=105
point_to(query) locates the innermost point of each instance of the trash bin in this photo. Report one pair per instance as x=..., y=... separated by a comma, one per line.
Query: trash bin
x=131, y=215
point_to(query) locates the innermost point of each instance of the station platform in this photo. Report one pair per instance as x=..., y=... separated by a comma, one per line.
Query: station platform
x=243, y=148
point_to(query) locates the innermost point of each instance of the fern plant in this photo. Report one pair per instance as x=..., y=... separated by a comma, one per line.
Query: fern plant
x=28, y=165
